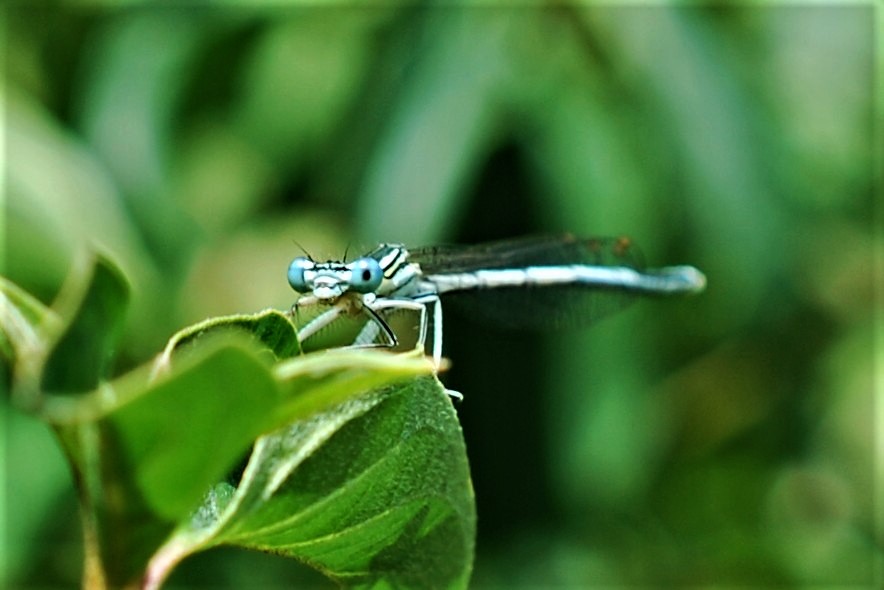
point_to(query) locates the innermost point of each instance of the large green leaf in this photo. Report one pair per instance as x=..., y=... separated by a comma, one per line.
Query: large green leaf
x=375, y=490
x=382, y=499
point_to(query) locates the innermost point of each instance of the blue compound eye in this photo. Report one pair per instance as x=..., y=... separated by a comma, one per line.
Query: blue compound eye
x=366, y=275
x=296, y=273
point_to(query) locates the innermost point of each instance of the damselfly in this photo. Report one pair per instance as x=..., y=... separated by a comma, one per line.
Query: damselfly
x=585, y=279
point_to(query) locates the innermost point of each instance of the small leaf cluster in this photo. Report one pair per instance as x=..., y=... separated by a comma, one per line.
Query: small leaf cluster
x=349, y=460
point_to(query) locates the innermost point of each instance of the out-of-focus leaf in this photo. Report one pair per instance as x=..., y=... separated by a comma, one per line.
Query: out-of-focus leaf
x=36, y=481
x=146, y=453
x=21, y=318
x=129, y=118
x=220, y=179
x=713, y=130
x=442, y=126
x=93, y=302
x=301, y=77
x=59, y=198
x=29, y=308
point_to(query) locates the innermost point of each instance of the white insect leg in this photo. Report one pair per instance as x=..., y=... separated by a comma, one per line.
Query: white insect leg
x=383, y=304
x=368, y=334
x=373, y=327
x=318, y=323
x=455, y=394
x=426, y=300
x=437, y=333
x=437, y=338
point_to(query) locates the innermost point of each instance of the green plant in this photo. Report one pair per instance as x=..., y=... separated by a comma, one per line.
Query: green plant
x=354, y=459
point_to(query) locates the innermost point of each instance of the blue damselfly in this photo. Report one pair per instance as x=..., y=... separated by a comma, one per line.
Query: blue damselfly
x=542, y=280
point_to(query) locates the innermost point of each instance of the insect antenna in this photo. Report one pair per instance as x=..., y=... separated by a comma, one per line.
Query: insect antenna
x=304, y=250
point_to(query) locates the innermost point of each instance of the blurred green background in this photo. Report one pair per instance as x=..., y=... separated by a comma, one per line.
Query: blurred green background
x=727, y=439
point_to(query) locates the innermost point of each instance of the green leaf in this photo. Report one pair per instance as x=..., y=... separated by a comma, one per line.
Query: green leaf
x=271, y=328
x=318, y=381
x=93, y=302
x=373, y=491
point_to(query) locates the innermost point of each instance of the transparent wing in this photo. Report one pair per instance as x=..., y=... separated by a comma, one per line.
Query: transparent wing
x=542, y=306
x=528, y=251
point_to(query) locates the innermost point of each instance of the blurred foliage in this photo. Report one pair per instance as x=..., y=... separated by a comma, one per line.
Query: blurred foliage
x=725, y=439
